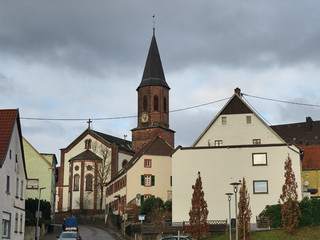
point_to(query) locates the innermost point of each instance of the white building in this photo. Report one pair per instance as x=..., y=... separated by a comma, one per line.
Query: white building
x=12, y=176
x=236, y=144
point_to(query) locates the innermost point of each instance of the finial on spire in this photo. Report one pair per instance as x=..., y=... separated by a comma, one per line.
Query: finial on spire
x=89, y=123
x=154, y=23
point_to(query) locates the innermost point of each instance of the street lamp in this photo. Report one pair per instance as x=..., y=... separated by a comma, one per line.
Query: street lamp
x=38, y=214
x=235, y=189
x=229, y=200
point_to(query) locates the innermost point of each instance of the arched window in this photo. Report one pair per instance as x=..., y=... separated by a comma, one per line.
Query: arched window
x=87, y=144
x=164, y=104
x=76, y=180
x=89, y=182
x=145, y=103
x=155, y=103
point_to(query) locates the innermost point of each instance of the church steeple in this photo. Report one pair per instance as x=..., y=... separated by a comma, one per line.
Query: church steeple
x=153, y=102
x=153, y=74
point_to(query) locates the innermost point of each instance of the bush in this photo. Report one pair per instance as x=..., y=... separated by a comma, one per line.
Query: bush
x=310, y=213
x=31, y=209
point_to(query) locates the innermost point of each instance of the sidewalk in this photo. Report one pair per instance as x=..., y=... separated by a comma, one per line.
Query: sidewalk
x=53, y=236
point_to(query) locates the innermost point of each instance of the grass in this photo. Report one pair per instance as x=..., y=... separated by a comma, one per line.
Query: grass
x=305, y=233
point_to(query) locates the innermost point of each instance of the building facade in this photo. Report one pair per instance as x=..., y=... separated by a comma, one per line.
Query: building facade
x=12, y=176
x=236, y=144
x=41, y=170
x=87, y=164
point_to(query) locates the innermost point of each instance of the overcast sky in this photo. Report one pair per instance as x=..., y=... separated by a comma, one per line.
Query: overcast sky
x=85, y=59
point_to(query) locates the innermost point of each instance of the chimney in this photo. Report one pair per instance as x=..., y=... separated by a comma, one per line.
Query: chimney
x=309, y=122
x=238, y=92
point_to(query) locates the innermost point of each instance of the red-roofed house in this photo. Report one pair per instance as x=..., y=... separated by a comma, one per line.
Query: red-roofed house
x=12, y=176
x=311, y=169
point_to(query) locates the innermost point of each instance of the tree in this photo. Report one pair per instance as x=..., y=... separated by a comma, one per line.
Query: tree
x=103, y=170
x=244, y=215
x=290, y=210
x=199, y=227
x=155, y=209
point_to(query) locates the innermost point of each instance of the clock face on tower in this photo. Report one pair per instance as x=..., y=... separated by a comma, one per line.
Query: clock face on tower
x=144, y=117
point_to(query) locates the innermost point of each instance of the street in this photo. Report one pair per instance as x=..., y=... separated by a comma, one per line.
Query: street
x=87, y=233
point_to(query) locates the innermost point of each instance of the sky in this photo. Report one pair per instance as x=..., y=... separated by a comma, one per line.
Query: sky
x=79, y=59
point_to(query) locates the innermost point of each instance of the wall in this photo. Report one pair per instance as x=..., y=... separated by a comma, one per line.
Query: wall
x=221, y=166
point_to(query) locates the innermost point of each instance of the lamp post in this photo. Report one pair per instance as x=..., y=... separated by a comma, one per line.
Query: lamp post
x=235, y=189
x=229, y=200
x=38, y=214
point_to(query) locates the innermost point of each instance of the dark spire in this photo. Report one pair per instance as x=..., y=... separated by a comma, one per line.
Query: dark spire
x=153, y=72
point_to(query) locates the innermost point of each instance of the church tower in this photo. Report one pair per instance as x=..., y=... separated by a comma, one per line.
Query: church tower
x=153, y=102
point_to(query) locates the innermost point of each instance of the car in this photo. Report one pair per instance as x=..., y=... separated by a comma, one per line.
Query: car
x=177, y=238
x=69, y=235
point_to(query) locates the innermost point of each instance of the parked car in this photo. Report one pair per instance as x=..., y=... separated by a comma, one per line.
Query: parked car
x=177, y=238
x=69, y=235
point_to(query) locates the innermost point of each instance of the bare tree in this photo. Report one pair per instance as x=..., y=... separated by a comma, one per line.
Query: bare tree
x=199, y=227
x=244, y=215
x=103, y=169
x=290, y=209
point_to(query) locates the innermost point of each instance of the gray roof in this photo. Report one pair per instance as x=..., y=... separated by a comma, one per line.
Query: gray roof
x=153, y=74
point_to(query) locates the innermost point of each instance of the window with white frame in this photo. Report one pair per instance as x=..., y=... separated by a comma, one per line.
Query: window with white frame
x=147, y=180
x=16, y=223
x=259, y=159
x=32, y=183
x=256, y=141
x=218, y=142
x=17, y=188
x=6, y=223
x=21, y=221
x=147, y=163
x=8, y=185
x=260, y=187
x=21, y=190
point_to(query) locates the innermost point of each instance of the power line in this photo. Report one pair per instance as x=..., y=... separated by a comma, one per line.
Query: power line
x=115, y=118
x=282, y=101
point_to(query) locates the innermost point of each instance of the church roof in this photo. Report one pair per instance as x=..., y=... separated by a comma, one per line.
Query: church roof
x=153, y=74
x=122, y=143
x=86, y=155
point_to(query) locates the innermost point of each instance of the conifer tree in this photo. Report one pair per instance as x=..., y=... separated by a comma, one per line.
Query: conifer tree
x=244, y=214
x=199, y=227
x=290, y=206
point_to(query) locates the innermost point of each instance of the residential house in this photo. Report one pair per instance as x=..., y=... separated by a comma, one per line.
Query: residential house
x=41, y=170
x=306, y=135
x=236, y=144
x=12, y=176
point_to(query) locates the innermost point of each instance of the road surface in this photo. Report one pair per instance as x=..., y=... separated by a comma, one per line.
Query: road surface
x=87, y=233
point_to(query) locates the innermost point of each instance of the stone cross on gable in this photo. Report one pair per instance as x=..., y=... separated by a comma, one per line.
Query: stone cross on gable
x=89, y=123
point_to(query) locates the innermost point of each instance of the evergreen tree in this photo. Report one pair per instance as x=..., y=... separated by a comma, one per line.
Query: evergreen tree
x=290, y=209
x=199, y=227
x=244, y=214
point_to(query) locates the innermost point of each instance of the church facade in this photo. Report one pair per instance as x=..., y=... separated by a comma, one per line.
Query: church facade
x=96, y=166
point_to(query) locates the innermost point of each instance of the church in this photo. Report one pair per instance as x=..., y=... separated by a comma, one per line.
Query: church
x=99, y=171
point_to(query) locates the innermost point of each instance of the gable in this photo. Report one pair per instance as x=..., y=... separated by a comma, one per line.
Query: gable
x=232, y=127
x=7, y=120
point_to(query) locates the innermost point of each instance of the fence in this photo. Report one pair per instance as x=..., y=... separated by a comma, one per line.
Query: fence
x=215, y=227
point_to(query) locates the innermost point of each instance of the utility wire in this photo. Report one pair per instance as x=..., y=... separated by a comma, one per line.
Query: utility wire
x=115, y=118
x=282, y=101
